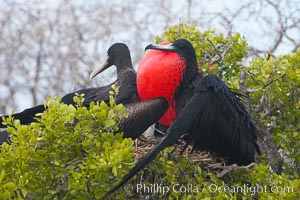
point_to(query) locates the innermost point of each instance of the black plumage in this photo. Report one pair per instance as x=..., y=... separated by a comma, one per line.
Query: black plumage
x=139, y=118
x=4, y=137
x=208, y=112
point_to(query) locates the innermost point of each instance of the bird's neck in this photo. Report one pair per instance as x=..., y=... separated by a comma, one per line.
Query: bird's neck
x=125, y=66
x=125, y=69
x=191, y=70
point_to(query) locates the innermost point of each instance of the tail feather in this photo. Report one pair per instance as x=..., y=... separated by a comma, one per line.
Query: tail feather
x=166, y=141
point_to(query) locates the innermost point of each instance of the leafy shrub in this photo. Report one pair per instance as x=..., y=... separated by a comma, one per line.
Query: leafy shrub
x=69, y=153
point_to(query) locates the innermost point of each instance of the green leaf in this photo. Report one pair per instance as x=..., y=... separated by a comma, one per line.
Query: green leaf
x=2, y=175
x=109, y=123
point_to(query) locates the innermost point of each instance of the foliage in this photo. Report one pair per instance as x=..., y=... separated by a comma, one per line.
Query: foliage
x=274, y=92
x=69, y=153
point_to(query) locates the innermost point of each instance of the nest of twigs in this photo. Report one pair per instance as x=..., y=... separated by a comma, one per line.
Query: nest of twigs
x=205, y=159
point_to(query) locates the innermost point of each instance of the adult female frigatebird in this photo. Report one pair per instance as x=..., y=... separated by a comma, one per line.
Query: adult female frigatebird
x=203, y=108
x=118, y=55
x=138, y=118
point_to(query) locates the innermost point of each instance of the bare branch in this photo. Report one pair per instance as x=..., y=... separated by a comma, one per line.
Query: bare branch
x=220, y=56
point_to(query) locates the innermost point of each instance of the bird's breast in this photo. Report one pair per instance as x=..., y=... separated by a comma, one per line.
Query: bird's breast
x=159, y=75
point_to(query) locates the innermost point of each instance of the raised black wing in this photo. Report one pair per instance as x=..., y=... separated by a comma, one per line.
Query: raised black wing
x=214, y=120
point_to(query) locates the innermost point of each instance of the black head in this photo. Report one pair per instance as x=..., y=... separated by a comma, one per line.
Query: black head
x=116, y=53
x=184, y=49
x=181, y=46
x=119, y=55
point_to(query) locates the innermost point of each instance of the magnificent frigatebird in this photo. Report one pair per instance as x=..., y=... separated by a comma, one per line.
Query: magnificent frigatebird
x=202, y=108
x=138, y=118
x=118, y=55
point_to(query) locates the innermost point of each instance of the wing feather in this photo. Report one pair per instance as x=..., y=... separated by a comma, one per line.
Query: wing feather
x=220, y=123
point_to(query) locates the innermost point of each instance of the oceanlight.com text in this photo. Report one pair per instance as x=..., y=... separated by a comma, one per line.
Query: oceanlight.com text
x=213, y=188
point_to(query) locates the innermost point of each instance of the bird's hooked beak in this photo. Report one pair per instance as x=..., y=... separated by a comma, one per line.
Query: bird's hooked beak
x=101, y=68
x=164, y=46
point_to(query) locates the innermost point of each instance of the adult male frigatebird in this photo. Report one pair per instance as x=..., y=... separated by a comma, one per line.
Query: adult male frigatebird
x=203, y=108
x=138, y=118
